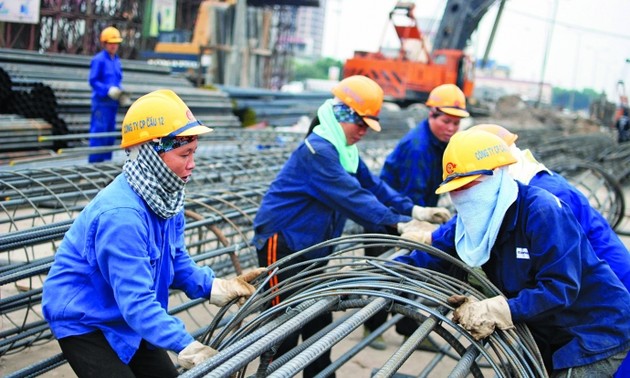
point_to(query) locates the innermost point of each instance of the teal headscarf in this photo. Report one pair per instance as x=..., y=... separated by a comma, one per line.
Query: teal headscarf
x=330, y=129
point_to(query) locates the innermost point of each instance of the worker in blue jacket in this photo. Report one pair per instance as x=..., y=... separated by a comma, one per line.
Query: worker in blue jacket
x=531, y=247
x=106, y=81
x=414, y=167
x=605, y=242
x=106, y=294
x=323, y=183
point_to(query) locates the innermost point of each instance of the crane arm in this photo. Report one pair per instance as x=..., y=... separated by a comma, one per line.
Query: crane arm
x=459, y=21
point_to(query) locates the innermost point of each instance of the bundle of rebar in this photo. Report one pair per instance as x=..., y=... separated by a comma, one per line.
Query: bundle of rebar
x=346, y=282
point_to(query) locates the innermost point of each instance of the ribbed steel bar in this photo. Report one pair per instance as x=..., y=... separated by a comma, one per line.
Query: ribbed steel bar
x=384, y=281
x=406, y=349
x=326, y=342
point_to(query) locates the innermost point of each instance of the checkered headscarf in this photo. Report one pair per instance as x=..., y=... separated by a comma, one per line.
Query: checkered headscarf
x=344, y=113
x=154, y=181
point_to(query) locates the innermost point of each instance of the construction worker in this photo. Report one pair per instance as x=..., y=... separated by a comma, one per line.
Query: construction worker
x=605, y=242
x=106, y=81
x=531, y=247
x=323, y=183
x=414, y=167
x=106, y=294
x=623, y=126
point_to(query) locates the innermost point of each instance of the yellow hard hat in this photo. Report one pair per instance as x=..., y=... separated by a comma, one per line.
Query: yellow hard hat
x=470, y=154
x=497, y=130
x=449, y=99
x=159, y=114
x=110, y=35
x=364, y=96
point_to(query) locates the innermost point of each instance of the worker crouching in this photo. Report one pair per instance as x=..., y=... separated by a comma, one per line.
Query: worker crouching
x=106, y=294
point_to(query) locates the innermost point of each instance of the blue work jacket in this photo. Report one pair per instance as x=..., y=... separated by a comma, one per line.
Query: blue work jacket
x=603, y=239
x=113, y=271
x=105, y=72
x=414, y=167
x=575, y=306
x=312, y=197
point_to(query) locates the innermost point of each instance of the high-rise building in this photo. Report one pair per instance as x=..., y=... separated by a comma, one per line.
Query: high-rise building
x=309, y=30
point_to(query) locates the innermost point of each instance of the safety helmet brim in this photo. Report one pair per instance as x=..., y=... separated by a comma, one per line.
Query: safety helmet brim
x=372, y=123
x=190, y=130
x=114, y=40
x=455, y=112
x=456, y=183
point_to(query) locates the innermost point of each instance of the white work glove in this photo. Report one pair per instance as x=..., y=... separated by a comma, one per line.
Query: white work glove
x=437, y=215
x=224, y=290
x=124, y=99
x=480, y=318
x=418, y=231
x=194, y=354
x=114, y=93
x=413, y=226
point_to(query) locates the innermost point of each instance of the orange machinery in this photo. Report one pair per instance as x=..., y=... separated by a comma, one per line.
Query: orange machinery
x=409, y=75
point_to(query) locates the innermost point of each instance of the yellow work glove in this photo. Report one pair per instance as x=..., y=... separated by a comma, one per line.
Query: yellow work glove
x=480, y=318
x=224, y=290
x=437, y=215
x=114, y=93
x=194, y=354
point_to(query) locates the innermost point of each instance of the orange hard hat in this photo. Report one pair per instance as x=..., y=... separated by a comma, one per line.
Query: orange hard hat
x=449, y=99
x=110, y=35
x=364, y=96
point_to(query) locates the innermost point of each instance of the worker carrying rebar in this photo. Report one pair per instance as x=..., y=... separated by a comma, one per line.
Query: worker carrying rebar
x=532, y=248
x=106, y=294
x=107, y=93
x=323, y=183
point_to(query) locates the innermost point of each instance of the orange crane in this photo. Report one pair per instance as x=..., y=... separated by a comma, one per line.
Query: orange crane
x=414, y=71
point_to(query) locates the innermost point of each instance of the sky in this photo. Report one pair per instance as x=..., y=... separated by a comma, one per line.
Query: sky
x=587, y=46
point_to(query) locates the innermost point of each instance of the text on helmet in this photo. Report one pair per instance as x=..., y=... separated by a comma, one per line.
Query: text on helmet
x=490, y=151
x=141, y=124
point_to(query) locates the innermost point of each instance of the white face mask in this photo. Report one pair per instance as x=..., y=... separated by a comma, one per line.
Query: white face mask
x=480, y=212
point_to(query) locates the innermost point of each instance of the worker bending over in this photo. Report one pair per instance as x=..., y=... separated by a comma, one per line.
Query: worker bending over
x=603, y=239
x=323, y=183
x=106, y=294
x=531, y=247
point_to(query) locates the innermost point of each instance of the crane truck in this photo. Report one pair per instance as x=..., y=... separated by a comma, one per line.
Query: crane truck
x=416, y=69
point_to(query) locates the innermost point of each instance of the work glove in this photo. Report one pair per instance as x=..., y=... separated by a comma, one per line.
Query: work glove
x=194, y=354
x=224, y=290
x=414, y=225
x=114, y=93
x=124, y=99
x=480, y=318
x=419, y=231
x=437, y=215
